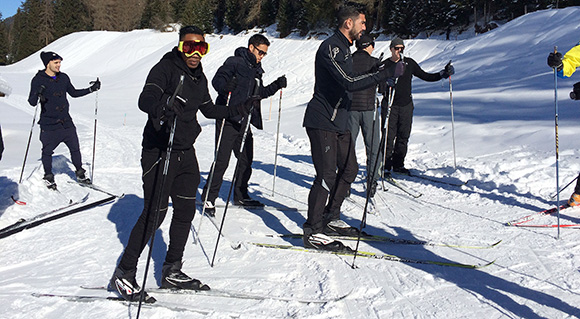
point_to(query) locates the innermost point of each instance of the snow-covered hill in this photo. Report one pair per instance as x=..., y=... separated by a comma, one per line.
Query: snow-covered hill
x=503, y=96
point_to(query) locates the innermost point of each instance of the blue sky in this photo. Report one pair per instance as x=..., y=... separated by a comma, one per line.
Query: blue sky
x=9, y=7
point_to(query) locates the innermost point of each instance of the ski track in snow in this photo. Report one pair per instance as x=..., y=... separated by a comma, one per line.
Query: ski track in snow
x=505, y=151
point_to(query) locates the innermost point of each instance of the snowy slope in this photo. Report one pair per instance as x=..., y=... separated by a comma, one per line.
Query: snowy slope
x=504, y=129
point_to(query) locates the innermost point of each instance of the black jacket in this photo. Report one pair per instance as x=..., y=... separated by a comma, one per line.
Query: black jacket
x=363, y=100
x=244, y=67
x=403, y=94
x=161, y=82
x=54, y=112
x=334, y=80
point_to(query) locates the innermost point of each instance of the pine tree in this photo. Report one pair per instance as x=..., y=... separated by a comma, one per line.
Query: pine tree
x=3, y=42
x=70, y=16
x=157, y=14
x=199, y=13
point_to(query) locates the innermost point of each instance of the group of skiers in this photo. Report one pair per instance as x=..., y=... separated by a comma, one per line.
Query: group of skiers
x=344, y=101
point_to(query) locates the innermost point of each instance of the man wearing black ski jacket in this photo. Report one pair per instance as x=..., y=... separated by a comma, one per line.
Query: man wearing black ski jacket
x=401, y=113
x=50, y=87
x=241, y=75
x=325, y=120
x=362, y=111
x=182, y=176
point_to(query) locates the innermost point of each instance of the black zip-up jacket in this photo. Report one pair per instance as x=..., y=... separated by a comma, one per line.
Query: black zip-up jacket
x=161, y=82
x=334, y=82
x=54, y=112
x=364, y=100
x=403, y=94
x=244, y=67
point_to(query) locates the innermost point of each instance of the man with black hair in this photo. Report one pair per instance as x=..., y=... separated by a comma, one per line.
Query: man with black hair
x=239, y=78
x=326, y=123
x=565, y=67
x=50, y=86
x=182, y=176
x=362, y=110
x=401, y=113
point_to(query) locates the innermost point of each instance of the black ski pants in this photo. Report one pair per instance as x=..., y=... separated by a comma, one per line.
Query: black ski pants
x=51, y=139
x=181, y=184
x=231, y=141
x=334, y=159
x=399, y=131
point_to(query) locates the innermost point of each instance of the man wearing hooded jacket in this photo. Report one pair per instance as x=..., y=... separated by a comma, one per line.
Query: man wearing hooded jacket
x=240, y=76
x=182, y=177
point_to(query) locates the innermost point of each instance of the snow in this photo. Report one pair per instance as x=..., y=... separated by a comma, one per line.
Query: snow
x=503, y=97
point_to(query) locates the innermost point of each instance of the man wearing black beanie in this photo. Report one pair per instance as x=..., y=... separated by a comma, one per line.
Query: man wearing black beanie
x=50, y=86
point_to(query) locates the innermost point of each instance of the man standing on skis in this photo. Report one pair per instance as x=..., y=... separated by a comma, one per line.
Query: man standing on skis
x=565, y=67
x=50, y=86
x=326, y=123
x=401, y=111
x=237, y=79
x=362, y=110
x=182, y=175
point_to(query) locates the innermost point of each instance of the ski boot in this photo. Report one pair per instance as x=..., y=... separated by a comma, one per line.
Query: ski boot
x=123, y=282
x=174, y=278
x=49, y=181
x=81, y=177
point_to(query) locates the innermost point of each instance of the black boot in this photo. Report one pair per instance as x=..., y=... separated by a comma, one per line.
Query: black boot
x=174, y=278
x=124, y=283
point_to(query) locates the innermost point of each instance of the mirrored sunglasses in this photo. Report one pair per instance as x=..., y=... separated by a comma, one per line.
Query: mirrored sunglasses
x=189, y=48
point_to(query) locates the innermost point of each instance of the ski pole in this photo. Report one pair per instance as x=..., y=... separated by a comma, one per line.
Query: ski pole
x=557, y=146
x=94, y=132
x=159, y=197
x=42, y=88
x=212, y=169
x=277, y=137
x=452, y=121
x=243, y=144
x=563, y=188
x=386, y=129
x=368, y=196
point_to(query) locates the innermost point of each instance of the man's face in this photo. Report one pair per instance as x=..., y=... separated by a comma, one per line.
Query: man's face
x=53, y=66
x=358, y=26
x=259, y=51
x=396, y=52
x=192, y=61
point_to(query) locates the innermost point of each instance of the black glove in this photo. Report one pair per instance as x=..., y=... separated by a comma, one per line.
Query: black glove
x=281, y=82
x=231, y=85
x=575, y=94
x=448, y=71
x=176, y=107
x=95, y=85
x=247, y=106
x=555, y=60
x=40, y=96
x=391, y=82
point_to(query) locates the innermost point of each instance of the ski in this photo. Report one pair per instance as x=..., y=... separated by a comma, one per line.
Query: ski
x=528, y=218
x=98, y=189
x=234, y=245
x=433, y=179
x=231, y=294
x=88, y=298
x=389, y=179
x=265, y=207
x=372, y=255
x=396, y=241
x=54, y=214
